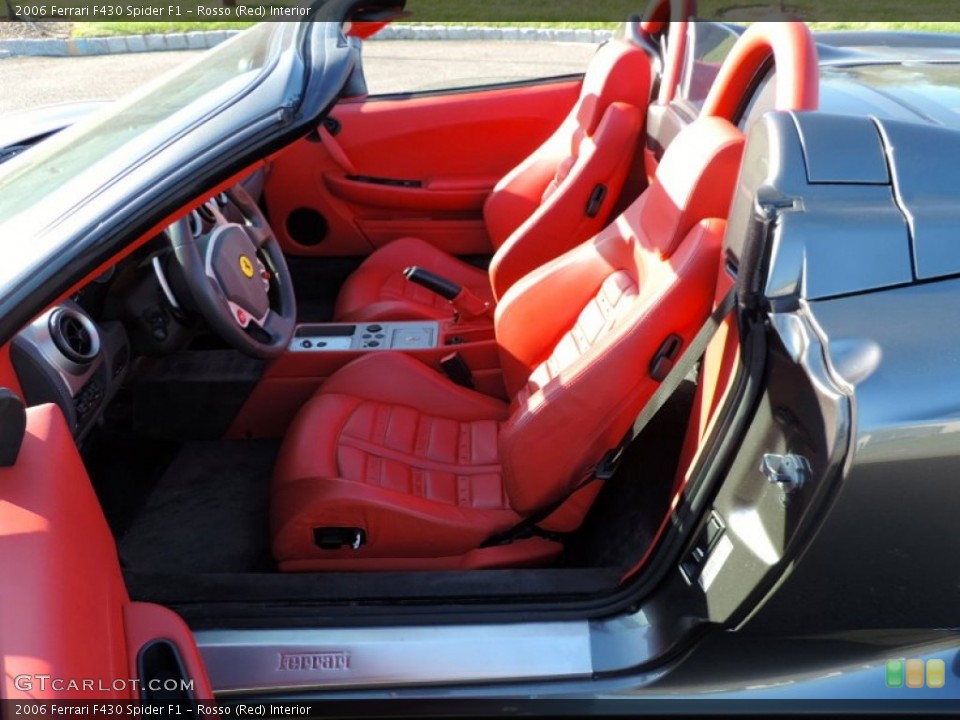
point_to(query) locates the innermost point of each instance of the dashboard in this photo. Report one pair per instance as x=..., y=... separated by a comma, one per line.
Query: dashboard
x=65, y=357
x=80, y=353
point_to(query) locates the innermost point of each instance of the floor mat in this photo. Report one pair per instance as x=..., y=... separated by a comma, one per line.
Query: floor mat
x=208, y=513
x=622, y=523
x=125, y=471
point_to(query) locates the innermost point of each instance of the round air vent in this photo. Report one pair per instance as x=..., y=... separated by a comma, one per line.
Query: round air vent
x=74, y=335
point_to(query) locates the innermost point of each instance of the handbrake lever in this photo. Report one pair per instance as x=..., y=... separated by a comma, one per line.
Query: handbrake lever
x=465, y=303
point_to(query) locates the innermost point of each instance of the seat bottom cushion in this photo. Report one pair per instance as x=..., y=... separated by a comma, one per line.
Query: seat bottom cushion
x=377, y=290
x=391, y=447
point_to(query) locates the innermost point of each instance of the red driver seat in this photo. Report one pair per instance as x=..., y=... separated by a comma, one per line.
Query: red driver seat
x=420, y=471
x=543, y=207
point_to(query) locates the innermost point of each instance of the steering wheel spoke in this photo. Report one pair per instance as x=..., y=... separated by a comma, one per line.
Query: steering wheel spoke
x=244, y=318
x=259, y=234
x=239, y=279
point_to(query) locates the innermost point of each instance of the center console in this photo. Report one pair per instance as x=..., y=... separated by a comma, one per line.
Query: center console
x=466, y=351
x=367, y=336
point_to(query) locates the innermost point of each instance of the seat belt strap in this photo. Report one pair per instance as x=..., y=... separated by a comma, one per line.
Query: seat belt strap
x=610, y=462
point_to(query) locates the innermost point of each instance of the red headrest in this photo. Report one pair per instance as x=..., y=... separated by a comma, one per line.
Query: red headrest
x=619, y=72
x=695, y=181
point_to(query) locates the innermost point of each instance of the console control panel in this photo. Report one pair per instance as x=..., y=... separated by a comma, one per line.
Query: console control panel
x=336, y=337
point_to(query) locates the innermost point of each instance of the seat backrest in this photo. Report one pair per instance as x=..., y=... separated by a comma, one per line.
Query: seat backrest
x=543, y=206
x=577, y=335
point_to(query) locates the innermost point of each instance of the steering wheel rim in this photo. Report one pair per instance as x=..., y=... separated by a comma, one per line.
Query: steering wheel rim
x=239, y=279
x=794, y=53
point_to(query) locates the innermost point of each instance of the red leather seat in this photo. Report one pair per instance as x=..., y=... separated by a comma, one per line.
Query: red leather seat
x=428, y=470
x=536, y=212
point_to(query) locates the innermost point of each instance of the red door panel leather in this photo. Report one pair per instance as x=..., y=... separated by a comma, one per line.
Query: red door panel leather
x=64, y=610
x=458, y=145
x=456, y=237
x=147, y=623
x=61, y=607
x=443, y=195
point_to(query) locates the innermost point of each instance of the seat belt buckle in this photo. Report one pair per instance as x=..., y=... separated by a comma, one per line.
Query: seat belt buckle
x=608, y=465
x=456, y=368
x=468, y=306
x=665, y=357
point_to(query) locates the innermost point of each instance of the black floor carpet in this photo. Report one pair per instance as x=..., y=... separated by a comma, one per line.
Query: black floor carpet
x=630, y=507
x=125, y=471
x=208, y=513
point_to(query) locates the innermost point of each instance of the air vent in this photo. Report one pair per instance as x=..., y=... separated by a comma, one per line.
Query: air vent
x=74, y=335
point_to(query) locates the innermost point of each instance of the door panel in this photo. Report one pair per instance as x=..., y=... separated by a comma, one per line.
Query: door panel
x=419, y=165
x=64, y=609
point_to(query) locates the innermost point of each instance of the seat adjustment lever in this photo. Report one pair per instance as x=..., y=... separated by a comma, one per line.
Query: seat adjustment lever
x=334, y=538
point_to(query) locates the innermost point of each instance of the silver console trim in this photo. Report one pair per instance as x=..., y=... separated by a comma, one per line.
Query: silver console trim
x=413, y=335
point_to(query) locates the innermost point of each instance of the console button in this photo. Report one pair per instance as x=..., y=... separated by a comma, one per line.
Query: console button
x=306, y=344
x=374, y=328
x=373, y=343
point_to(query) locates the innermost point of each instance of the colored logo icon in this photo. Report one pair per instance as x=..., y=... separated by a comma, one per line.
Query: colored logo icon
x=936, y=673
x=914, y=674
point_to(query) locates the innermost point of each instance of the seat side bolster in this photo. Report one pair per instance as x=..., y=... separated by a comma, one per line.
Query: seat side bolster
x=519, y=192
x=589, y=404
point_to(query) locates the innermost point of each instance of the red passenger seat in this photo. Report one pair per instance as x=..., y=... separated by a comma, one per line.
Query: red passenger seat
x=555, y=199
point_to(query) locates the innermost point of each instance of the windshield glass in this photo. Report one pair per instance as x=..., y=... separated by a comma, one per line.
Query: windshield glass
x=83, y=158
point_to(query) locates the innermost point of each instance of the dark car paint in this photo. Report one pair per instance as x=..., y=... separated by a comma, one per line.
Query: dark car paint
x=880, y=346
x=22, y=129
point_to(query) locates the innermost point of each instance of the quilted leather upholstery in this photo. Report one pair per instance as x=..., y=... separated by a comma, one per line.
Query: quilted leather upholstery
x=538, y=210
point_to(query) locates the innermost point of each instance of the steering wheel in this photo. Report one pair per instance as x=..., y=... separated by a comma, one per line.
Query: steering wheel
x=239, y=279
